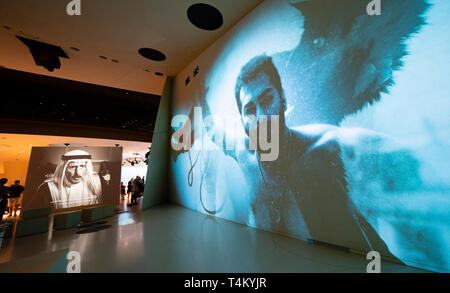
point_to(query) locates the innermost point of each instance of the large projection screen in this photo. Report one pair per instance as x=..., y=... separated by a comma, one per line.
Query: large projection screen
x=361, y=150
x=64, y=178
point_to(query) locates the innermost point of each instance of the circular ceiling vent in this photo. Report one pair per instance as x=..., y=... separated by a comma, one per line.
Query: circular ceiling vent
x=152, y=54
x=205, y=16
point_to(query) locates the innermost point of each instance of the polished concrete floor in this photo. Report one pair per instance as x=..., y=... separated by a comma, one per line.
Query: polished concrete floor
x=170, y=238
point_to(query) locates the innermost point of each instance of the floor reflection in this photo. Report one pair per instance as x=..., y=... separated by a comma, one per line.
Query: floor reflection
x=170, y=238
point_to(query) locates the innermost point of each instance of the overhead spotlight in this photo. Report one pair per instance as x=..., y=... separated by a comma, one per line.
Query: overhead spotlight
x=67, y=144
x=44, y=54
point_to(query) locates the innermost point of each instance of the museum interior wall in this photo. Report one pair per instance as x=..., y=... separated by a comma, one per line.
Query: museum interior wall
x=313, y=123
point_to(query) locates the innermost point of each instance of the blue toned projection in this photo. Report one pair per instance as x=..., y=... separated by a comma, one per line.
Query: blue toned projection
x=361, y=109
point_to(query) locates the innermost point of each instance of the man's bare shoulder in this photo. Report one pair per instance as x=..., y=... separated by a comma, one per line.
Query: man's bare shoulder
x=314, y=131
x=316, y=137
x=329, y=137
x=320, y=161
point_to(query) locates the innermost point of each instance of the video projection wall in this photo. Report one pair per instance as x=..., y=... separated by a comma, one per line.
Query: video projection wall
x=361, y=109
x=70, y=177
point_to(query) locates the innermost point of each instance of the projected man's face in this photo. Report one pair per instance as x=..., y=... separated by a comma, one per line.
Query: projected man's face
x=75, y=171
x=259, y=97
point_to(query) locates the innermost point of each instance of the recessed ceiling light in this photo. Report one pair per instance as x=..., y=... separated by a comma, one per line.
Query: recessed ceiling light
x=146, y=70
x=115, y=60
x=103, y=57
x=7, y=27
x=159, y=73
x=152, y=54
x=75, y=49
x=205, y=16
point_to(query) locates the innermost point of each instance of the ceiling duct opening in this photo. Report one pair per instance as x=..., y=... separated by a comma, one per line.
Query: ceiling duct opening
x=44, y=54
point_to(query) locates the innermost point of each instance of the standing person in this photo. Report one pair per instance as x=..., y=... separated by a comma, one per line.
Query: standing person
x=138, y=183
x=3, y=196
x=130, y=187
x=122, y=190
x=136, y=190
x=15, y=191
x=143, y=183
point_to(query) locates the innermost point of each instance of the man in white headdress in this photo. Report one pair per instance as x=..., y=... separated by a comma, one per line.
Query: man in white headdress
x=73, y=183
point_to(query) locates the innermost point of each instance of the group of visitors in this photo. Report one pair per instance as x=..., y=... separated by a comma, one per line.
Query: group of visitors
x=10, y=197
x=134, y=189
